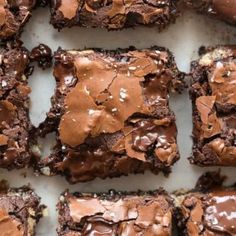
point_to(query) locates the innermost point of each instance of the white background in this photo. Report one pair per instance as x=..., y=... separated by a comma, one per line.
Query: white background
x=183, y=38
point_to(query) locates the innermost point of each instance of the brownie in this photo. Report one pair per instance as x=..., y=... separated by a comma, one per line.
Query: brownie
x=20, y=211
x=13, y=16
x=111, y=114
x=211, y=212
x=15, y=125
x=214, y=107
x=113, y=14
x=113, y=213
x=222, y=9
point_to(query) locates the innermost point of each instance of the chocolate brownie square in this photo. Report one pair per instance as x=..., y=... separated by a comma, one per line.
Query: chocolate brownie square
x=14, y=107
x=20, y=211
x=111, y=114
x=210, y=212
x=113, y=14
x=13, y=16
x=115, y=214
x=222, y=9
x=214, y=107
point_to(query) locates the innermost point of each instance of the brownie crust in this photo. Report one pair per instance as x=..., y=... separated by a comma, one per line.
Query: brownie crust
x=113, y=213
x=111, y=114
x=112, y=14
x=222, y=9
x=15, y=125
x=214, y=107
x=20, y=210
x=13, y=16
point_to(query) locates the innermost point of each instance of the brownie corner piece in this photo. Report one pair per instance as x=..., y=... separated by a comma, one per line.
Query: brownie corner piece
x=115, y=213
x=14, y=106
x=210, y=211
x=114, y=14
x=13, y=16
x=20, y=211
x=111, y=113
x=214, y=107
x=220, y=9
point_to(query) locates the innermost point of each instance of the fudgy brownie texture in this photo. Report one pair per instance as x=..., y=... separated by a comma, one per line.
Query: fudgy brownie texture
x=20, y=211
x=13, y=16
x=113, y=14
x=14, y=107
x=111, y=114
x=222, y=9
x=112, y=213
x=214, y=107
x=211, y=212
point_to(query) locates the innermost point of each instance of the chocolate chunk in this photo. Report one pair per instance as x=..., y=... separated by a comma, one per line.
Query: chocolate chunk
x=111, y=108
x=13, y=16
x=208, y=213
x=115, y=214
x=20, y=211
x=214, y=107
x=222, y=9
x=42, y=54
x=14, y=107
x=113, y=14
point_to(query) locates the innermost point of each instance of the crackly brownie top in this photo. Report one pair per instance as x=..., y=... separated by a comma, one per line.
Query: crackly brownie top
x=14, y=105
x=13, y=14
x=116, y=215
x=210, y=214
x=223, y=9
x=106, y=94
x=214, y=86
x=112, y=14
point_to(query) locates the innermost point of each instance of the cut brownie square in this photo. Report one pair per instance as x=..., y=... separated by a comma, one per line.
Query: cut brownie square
x=111, y=113
x=14, y=107
x=13, y=16
x=115, y=214
x=222, y=9
x=212, y=213
x=20, y=211
x=113, y=14
x=214, y=107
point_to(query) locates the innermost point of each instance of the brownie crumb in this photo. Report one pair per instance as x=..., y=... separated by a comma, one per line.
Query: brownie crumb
x=42, y=54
